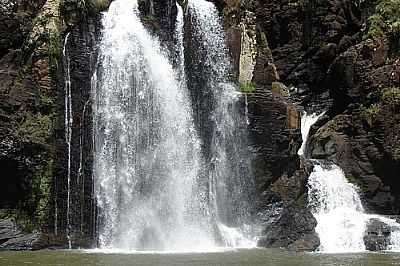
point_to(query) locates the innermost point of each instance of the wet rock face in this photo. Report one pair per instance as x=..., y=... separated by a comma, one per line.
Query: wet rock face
x=26, y=111
x=159, y=16
x=294, y=229
x=377, y=235
x=273, y=141
x=13, y=238
x=304, y=38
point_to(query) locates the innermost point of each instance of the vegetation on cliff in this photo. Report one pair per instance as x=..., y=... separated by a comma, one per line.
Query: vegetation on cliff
x=385, y=20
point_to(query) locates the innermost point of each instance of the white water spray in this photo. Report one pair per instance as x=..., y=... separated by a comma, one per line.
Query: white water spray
x=147, y=151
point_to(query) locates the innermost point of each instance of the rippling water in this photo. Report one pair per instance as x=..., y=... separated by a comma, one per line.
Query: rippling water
x=233, y=257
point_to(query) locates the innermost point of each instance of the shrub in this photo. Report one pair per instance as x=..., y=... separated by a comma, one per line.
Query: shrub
x=386, y=19
x=247, y=88
x=391, y=96
x=370, y=113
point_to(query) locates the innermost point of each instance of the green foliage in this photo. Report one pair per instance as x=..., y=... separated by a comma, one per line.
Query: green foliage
x=386, y=19
x=247, y=88
x=376, y=26
x=370, y=113
x=391, y=96
x=36, y=128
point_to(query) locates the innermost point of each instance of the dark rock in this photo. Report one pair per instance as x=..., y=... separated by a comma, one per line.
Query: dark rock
x=13, y=238
x=377, y=235
x=293, y=229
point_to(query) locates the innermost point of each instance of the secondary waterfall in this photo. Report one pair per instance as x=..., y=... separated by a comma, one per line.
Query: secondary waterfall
x=147, y=155
x=306, y=123
x=337, y=207
x=230, y=178
x=68, y=120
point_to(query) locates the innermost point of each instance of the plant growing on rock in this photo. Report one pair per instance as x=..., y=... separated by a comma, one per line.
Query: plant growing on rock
x=386, y=20
x=391, y=96
x=247, y=87
x=370, y=113
x=36, y=128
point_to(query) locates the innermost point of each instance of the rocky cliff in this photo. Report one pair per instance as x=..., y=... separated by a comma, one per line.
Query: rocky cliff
x=335, y=56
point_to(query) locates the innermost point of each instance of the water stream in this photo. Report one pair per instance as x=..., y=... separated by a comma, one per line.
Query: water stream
x=68, y=135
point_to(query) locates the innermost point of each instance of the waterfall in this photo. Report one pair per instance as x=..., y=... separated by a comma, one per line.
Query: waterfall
x=147, y=152
x=230, y=179
x=337, y=208
x=306, y=123
x=68, y=135
x=336, y=205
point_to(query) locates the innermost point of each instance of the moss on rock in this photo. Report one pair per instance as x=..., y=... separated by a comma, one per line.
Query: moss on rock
x=36, y=128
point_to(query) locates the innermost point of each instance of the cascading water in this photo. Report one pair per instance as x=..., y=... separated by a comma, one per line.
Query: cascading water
x=337, y=207
x=68, y=136
x=306, y=123
x=147, y=153
x=230, y=182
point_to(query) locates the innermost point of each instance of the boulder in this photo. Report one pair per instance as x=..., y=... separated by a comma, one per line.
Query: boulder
x=377, y=235
x=294, y=229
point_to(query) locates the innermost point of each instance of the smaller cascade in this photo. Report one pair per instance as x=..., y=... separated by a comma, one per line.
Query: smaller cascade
x=337, y=207
x=68, y=132
x=306, y=123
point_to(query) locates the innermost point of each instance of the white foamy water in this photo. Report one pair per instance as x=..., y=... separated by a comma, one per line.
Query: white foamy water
x=337, y=207
x=147, y=151
x=306, y=123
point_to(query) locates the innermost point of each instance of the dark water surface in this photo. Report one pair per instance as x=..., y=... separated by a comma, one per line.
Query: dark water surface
x=238, y=257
